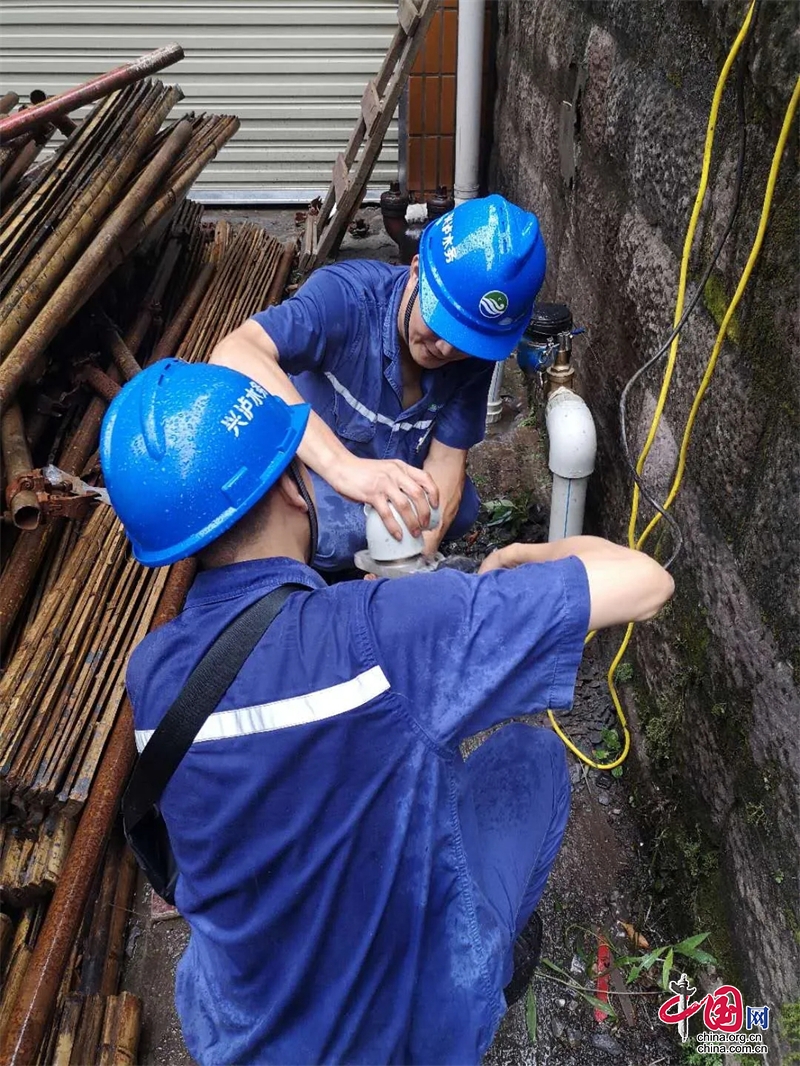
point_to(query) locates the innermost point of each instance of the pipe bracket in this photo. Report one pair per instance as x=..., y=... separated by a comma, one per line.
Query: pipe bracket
x=59, y=495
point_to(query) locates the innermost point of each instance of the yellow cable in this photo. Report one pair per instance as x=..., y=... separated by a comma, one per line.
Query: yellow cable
x=698, y=398
x=723, y=329
x=684, y=271
x=671, y=363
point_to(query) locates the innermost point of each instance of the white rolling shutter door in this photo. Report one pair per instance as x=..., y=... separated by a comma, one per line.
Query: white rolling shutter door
x=293, y=72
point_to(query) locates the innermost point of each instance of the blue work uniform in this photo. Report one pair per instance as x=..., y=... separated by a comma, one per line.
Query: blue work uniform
x=337, y=338
x=353, y=886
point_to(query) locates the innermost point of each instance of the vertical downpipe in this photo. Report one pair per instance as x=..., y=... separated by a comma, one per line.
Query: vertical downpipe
x=469, y=82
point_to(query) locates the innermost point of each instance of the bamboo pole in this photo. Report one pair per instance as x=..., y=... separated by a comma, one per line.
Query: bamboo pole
x=90, y=91
x=35, y=1002
x=282, y=275
x=171, y=338
x=78, y=285
x=29, y=550
x=122, y=1024
x=6, y=939
x=90, y=1026
x=26, y=223
x=68, y=1026
x=96, y=943
x=47, y=268
x=17, y=167
x=120, y=913
x=17, y=964
x=158, y=211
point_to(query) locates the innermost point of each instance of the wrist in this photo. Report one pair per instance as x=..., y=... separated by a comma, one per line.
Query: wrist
x=327, y=456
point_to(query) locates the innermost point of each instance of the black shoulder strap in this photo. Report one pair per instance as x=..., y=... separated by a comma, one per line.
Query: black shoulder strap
x=207, y=684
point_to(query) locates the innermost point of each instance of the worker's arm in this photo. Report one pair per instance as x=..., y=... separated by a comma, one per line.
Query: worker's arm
x=250, y=350
x=448, y=468
x=624, y=585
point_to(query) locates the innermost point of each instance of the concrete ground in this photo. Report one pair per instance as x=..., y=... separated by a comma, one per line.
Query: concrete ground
x=602, y=875
x=281, y=223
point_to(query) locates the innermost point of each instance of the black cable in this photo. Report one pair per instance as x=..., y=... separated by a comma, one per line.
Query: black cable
x=409, y=309
x=297, y=477
x=742, y=123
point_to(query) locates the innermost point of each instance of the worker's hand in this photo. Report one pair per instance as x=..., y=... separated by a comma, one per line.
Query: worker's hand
x=432, y=538
x=384, y=481
x=496, y=560
x=515, y=555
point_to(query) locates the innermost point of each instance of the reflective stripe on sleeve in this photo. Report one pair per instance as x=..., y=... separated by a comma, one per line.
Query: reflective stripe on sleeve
x=282, y=714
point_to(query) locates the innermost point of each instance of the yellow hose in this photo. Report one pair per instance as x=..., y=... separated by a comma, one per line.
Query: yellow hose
x=687, y=248
x=754, y=253
x=723, y=329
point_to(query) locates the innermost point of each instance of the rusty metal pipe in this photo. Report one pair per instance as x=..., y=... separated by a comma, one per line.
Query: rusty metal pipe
x=105, y=386
x=282, y=273
x=116, y=347
x=29, y=550
x=8, y=102
x=82, y=280
x=173, y=334
x=39, y=988
x=151, y=304
x=24, y=503
x=14, y=171
x=90, y=91
x=63, y=123
x=48, y=267
x=83, y=441
x=20, y=570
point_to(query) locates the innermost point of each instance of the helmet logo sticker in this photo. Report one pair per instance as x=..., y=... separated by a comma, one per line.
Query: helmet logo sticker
x=493, y=304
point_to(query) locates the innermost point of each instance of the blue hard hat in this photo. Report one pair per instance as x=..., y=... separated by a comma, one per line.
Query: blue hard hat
x=480, y=268
x=187, y=449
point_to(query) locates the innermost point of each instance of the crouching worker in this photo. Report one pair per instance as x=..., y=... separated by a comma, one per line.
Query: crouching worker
x=354, y=888
x=396, y=363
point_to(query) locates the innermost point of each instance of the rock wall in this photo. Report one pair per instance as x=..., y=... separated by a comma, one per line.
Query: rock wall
x=599, y=124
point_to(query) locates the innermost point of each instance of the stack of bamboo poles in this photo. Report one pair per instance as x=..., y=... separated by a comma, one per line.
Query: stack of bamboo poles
x=252, y=274
x=93, y=1021
x=65, y=684
x=86, y=605
x=105, y=270
x=114, y=182
x=30, y=865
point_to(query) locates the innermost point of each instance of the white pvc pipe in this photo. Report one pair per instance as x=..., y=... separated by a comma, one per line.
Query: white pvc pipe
x=573, y=447
x=494, y=407
x=567, y=505
x=469, y=82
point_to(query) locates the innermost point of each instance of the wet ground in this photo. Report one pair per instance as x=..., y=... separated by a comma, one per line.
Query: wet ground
x=602, y=875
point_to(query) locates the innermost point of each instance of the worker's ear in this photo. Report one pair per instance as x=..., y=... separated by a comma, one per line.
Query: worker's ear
x=415, y=268
x=290, y=493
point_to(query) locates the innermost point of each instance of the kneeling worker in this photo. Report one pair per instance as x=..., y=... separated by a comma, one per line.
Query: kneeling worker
x=354, y=888
x=396, y=364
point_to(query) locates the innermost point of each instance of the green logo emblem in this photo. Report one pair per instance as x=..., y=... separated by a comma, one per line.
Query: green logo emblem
x=493, y=304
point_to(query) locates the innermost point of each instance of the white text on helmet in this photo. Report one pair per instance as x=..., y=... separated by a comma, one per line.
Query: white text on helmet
x=241, y=414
